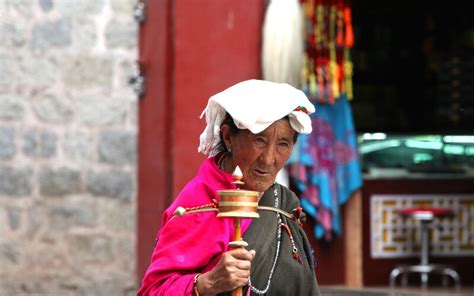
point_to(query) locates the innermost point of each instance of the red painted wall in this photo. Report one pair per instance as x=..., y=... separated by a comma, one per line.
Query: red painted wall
x=217, y=43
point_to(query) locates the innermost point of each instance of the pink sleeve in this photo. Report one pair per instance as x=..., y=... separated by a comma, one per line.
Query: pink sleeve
x=186, y=245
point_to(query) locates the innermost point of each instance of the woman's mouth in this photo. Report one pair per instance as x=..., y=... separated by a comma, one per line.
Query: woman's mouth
x=261, y=173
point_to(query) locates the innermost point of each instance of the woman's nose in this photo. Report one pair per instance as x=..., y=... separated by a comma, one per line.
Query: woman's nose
x=268, y=155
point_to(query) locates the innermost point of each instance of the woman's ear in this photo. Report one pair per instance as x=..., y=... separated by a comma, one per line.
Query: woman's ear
x=226, y=136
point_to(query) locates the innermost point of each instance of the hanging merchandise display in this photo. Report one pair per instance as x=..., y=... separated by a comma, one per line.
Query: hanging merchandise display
x=327, y=65
x=325, y=167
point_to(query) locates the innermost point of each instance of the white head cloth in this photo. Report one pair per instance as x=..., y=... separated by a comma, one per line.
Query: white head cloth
x=254, y=105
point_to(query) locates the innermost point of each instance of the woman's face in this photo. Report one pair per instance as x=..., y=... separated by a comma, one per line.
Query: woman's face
x=260, y=156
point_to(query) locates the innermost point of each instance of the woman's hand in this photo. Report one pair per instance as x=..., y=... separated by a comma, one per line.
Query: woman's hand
x=232, y=271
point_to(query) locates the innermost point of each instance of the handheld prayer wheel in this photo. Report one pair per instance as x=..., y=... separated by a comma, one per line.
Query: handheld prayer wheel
x=238, y=204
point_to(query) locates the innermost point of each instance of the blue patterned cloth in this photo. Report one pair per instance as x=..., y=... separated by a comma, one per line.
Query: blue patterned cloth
x=325, y=166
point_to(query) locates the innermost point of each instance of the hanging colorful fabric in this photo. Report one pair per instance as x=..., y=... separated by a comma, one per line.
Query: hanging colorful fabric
x=324, y=166
x=327, y=68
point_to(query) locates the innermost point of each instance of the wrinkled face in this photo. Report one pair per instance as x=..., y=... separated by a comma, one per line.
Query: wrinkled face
x=260, y=156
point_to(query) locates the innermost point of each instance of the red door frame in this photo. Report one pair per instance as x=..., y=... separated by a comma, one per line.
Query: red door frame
x=153, y=172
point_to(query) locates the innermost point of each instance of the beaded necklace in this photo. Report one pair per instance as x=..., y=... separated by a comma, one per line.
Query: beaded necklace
x=254, y=289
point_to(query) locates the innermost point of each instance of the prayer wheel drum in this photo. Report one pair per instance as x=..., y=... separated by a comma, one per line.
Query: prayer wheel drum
x=238, y=203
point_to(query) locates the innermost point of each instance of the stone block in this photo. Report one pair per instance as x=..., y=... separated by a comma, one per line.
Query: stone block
x=7, y=143
x=133, y=115
x=55, y=34
x=11, y=107
x=46, y=5
x=9, y=73
x=87, y=37
x=38, y=73
x=121, y=34
x=21, y=8
x=66, y=216
x=14, y=218
x=87, y=72
x=4, y=229
x=78, y=146
x=30, y=282
x=125, y=246
x=109, y=284
x=12, y=34
x=118, y=218
x=40, y=144
x=130, y=290
x=51, y=254
x=118, y=185
x=117, y=147
x=9, y=287
x=9, y=255
x=91, y=248
x=15, y=181
x=59, y=182
x=35, y=220
x=51, y=109
x=123, y=7
x=96, y=111
x=80, y=8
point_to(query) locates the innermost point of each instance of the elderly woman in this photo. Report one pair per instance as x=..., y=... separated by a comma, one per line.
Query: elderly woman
x=253, y=125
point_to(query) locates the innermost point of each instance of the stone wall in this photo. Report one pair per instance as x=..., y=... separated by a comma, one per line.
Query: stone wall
x=68, y=126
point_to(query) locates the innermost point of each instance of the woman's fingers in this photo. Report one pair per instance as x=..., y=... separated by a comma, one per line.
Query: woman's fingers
x=232, y=270
x=240, y=259
x=241, y=253
x=238, y=265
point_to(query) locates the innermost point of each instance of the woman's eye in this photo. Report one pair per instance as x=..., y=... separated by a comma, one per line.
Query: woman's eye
x=284, y=145
x=260, y=140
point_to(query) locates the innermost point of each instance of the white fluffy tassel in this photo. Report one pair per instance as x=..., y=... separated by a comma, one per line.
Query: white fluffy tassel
x=282, y=48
